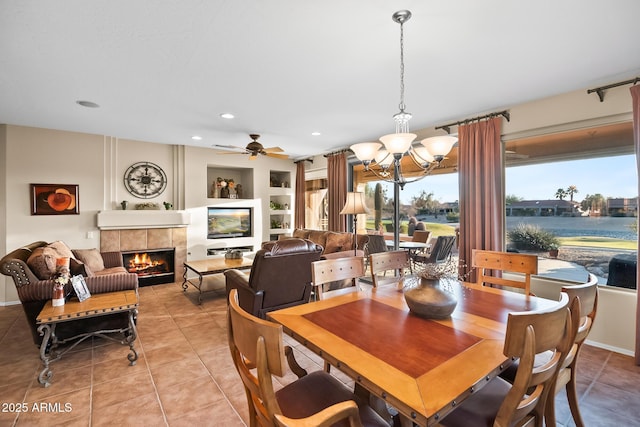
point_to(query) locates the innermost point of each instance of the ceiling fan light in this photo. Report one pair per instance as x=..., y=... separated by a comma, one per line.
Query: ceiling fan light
x=398, y=143
x=439, y=146
x=365, y=151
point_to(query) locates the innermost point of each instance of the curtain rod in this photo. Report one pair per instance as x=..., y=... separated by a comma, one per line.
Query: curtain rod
x=600, y=90
x=333, y=153
x=310, y=160
x=447, y=127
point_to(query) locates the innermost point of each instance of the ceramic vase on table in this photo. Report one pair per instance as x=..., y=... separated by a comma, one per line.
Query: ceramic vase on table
x=431, y=299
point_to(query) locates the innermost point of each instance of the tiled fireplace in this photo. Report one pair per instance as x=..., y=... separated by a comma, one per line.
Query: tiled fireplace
x=139, y=231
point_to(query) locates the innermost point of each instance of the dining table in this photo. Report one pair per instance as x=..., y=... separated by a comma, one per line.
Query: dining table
x=421, y=367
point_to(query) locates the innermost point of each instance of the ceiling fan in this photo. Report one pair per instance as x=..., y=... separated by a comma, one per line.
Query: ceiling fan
x=254, y=148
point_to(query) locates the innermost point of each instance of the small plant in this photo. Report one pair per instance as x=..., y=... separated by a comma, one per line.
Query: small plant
x=533, y=238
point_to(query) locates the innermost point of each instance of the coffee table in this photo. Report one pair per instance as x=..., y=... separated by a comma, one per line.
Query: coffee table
x=210, y=266
x=74, y=310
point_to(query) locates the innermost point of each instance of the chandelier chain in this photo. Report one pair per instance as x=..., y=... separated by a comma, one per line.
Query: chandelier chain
x=402, y=105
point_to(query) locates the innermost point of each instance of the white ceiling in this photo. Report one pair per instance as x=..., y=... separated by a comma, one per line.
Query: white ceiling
x=163, y=71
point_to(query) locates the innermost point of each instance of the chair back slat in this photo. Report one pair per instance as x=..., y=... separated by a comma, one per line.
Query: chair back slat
x=396, y=261
x=490, y=265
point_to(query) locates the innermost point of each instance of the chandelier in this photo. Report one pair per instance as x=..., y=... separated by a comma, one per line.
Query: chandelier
x=385, y=163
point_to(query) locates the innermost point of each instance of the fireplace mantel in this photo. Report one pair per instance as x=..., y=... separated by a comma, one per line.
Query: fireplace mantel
x=133, y=219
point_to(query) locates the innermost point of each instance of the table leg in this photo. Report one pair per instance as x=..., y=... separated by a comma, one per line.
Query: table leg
x=131, y=337
x=45, y=375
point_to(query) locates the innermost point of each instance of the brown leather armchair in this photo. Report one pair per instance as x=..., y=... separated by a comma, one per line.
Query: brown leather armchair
x=280, y=276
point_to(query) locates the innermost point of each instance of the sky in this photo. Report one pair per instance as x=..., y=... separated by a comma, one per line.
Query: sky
x=609, y=176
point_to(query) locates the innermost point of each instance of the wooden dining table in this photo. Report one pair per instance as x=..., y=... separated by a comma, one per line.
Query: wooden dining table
x=421, y=367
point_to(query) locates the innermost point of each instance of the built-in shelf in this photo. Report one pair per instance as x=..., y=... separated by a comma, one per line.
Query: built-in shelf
x=280, y=203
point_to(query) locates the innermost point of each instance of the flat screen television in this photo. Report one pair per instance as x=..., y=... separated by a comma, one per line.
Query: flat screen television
x=225, y=223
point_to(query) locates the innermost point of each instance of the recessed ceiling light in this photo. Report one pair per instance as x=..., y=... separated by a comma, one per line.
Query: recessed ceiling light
x=88, y=104
x=196, y=137
x=227, y=116
x=316, y=133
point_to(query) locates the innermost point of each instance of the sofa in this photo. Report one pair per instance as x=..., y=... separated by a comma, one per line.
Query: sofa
x=334, y=244
x=32, y=267
x=280, y=276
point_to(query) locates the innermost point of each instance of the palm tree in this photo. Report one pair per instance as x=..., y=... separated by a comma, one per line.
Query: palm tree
x=561, y=193
x=571, y=190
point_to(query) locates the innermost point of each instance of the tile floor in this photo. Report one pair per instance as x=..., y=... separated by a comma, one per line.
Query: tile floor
x=185, y=375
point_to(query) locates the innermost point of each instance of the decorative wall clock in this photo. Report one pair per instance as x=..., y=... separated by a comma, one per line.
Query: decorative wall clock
x=145, y=180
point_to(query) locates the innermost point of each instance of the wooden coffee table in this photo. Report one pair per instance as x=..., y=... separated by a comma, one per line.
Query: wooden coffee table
x=210, y=266
x=97, y=305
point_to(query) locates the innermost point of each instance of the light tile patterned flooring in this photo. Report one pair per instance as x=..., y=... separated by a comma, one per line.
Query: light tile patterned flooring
x=185, y=375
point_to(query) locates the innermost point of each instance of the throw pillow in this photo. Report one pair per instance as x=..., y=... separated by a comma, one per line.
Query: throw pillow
x=300, y=233
x=91, y=257
x=337, y=242
x=42, y=262
x=319, y=237
x=61, y=249
x=78, y=267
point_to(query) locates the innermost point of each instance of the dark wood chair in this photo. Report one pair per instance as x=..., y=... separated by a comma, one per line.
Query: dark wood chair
x=315, y=399
x=395, y=261
x=439, y=252
x=500, y=403
x=490, y=265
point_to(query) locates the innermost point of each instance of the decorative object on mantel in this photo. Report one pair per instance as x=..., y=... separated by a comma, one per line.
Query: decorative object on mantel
x=167, y=205
x=225, y=188
x=147, y=206
x=433, y=296
x=124, y=204
x=54, y=199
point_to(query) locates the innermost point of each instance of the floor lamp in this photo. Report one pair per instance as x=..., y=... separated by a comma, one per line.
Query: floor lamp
x=353, y=206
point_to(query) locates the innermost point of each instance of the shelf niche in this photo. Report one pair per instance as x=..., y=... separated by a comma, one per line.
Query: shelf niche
x=242, y=176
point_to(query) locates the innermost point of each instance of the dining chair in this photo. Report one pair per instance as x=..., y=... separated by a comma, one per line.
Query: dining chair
x=584, y=306
x=315, y=398
x=490, y=266
x=500, y=403
x=396, y=261
x=335, y=270
x=439, y=252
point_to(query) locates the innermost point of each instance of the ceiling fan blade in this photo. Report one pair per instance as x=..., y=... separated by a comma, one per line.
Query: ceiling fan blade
x=274, y=150
x=231, y=152
x=229, y=147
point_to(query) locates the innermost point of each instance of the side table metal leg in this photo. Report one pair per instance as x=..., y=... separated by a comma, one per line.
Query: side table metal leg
x=46, y=374
x=131, y=337
x=184, y=283
x=199, y=289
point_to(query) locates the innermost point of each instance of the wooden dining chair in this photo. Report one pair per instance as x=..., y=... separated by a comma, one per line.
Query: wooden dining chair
x=584, y=306
x=500, y=403
x=491, y=265
x=317, y=398
x=395, y=261
x=335, y=270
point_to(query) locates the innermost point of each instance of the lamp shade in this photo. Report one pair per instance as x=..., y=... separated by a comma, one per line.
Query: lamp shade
x=439, y=146
x=422, y=155
x=365, y=151
x=355, y=204
x=384, y=158
x=398, y=143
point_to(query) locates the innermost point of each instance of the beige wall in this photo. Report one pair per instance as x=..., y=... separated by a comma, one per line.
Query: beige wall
x=97, y=164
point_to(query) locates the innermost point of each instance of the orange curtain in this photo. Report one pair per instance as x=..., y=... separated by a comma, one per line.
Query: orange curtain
x=635, y=97
x=337, y=190
x=481, y=182
x=299, y=211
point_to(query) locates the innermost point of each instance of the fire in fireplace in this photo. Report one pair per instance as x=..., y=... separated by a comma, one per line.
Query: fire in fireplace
x=153, y=266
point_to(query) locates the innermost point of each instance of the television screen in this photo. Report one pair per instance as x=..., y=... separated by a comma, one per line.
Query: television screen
x=224, y=223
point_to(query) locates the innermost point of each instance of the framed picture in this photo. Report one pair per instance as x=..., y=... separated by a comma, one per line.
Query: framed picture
x=80, y=286
x=54, y=199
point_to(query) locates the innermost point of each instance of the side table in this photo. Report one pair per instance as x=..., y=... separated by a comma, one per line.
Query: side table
x=210, y=266
x=97, y=305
